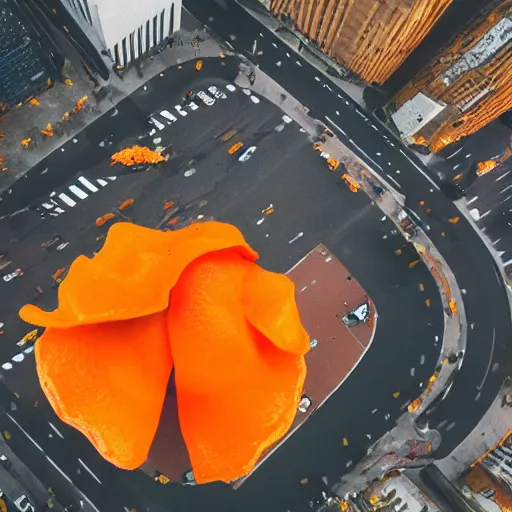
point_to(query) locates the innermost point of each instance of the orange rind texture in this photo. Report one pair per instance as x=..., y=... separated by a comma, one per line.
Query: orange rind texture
x=192, y=300
x=241, y=395
x=109, y=382
x=133, y=273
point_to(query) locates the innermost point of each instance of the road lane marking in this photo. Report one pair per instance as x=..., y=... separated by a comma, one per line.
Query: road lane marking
x=55, y=429
x=394, y=181
x=419, y=169
x=453, y=154
x=78, y=192
x=103, y=183
x=157, y=123
x=25, y=432
x=499, y=178
x=66, y=199
x=82, y=463
x=86, y=183
x=167, y=115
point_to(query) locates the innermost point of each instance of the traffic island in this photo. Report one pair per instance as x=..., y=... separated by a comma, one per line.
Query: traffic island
x=340, y=319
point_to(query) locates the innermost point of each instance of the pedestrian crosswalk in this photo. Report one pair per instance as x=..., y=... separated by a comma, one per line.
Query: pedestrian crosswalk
x=209, y=96
x=58, y=202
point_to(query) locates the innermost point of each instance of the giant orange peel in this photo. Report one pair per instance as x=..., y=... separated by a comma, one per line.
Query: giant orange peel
x=137, y=155
x=192, y=301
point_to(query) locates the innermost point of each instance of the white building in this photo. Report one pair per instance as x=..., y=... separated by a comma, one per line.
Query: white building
x=128, y=29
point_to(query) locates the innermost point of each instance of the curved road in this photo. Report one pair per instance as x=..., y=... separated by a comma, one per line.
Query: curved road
x=485, y=298
x=294, y=181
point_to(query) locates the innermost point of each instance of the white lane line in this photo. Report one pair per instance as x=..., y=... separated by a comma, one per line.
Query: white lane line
x=274, y=45
x=229, y=44
x=157, y=123
x=472, y=200
x=103, y=183
x=490, y=360
x=499, y=178
x=82, y=463
x=55, y=429
x=419, y=169
x=453, y=154
x=394, y=181
x=505, y=189
x=78, y=192
x=112, y=178
x=66, y=199
x=298, y=63
x=354, y=144
x=295, y=238
x=317, y=78
x=327, y=87
x=25, y=432
x=86, y=183
x=496, y=241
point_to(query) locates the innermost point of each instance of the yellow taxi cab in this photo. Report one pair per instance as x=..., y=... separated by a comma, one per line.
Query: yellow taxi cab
x=235, y=147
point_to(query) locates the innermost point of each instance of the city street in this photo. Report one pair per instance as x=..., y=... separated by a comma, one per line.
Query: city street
x=485, y=299
x=310, y=207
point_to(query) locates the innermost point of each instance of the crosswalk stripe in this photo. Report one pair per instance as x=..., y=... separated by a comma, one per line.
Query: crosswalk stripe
x=78, y=192
x=157, y=123
x=86, y=183
x=112, y=178
x=103, y=183
x=67, y=200
x=168, y=115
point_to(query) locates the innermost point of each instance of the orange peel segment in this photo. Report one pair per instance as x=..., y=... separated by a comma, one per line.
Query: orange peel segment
x=237, y=391
x=133, y=273
x=109, y=382
x=269, y=305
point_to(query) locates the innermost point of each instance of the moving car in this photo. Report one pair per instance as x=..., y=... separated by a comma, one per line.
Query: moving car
x=207, y=100
x=228, y=135
x=217, y=92
x=13, y=275
x=235, y=147
x=247, y=154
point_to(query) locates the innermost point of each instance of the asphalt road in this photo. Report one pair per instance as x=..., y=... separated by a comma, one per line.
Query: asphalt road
x=485, y=298
x=284, y=171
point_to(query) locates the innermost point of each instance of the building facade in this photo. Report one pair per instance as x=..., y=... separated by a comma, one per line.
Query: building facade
x=466, y=85
x=371, y=38
x=128, y=29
